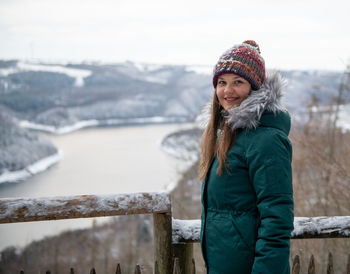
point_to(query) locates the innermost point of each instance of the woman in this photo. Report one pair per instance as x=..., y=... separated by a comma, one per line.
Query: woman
x=247, y=195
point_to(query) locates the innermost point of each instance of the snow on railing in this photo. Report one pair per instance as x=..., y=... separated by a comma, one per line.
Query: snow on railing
x=188, y=231
x=82, y=206
x=321, y=227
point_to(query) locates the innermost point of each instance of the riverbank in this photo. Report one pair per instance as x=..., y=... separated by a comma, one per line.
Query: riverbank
x=101, y=123
x=23, y=153
x=35, y=168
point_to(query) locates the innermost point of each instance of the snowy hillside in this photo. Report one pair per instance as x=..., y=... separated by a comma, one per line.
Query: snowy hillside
x=22, y=153
x=301, y=85
x=63, y=98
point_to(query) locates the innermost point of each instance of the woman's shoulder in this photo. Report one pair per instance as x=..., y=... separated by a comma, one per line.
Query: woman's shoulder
x=270, y=123
x=279, y=120
x=266, y=139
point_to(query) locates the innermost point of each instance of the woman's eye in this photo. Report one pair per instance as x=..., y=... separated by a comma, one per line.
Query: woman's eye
x=238, y=82
x=221, y=82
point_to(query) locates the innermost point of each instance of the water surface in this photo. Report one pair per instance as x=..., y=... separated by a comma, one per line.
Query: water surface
x=96, y=161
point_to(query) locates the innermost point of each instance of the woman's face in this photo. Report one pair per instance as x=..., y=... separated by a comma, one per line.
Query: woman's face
x=231, y=90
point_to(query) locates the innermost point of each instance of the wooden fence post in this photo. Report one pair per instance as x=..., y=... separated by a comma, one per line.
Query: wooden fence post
x=184, y=252
x=330, y=269
x=162, y=242
x=177, y=267
x=311, y=268
x=296, y=265
x=118, y=270
x=137, y=269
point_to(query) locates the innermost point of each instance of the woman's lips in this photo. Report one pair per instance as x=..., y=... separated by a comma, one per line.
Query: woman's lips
x=231, y=99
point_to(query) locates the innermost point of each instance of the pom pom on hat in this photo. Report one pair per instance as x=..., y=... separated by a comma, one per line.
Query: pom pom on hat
x=244, y=60
x=254, y=44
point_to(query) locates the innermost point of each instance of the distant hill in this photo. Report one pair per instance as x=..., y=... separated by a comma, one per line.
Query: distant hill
x=301, y=85
x=60, y=98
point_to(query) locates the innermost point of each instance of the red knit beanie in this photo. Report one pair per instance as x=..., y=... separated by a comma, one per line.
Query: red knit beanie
x=244, y=60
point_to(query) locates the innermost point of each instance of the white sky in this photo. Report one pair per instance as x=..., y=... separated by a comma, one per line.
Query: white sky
x=292, y=34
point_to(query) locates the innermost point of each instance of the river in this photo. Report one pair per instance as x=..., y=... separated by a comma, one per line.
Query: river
x=95, y=161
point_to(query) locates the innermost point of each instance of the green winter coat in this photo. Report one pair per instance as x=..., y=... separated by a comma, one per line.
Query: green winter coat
x=247, y=212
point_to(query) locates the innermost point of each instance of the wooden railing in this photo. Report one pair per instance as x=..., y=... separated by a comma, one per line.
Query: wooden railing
x=187, y=232
x=86, y=206
x=173, y=239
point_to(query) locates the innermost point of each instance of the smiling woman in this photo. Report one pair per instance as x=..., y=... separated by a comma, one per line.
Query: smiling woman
x=247, y=195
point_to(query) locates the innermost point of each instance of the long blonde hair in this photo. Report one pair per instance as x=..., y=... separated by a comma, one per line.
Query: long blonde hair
x=213, y=145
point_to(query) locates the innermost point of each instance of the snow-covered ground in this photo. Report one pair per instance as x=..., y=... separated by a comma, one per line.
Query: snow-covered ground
x=39, y=166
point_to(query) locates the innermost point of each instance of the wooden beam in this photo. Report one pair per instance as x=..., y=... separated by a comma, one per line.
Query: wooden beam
x=184, y=254
x=82, y=206
x=162, y=243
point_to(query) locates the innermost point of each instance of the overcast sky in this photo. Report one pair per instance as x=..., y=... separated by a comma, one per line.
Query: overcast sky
x=292, y=34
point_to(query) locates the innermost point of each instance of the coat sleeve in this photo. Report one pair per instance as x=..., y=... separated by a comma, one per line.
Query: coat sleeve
x=269, y=160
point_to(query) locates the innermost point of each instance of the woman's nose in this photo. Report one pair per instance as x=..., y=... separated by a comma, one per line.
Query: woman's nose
x=228, y=88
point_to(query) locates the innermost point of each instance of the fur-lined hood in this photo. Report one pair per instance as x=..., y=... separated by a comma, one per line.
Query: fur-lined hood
x=247, y=115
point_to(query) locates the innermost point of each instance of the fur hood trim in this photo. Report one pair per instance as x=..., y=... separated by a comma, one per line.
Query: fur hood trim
x=247, y=115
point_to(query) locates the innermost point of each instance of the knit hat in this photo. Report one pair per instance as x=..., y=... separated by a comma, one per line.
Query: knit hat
x=245, y=60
